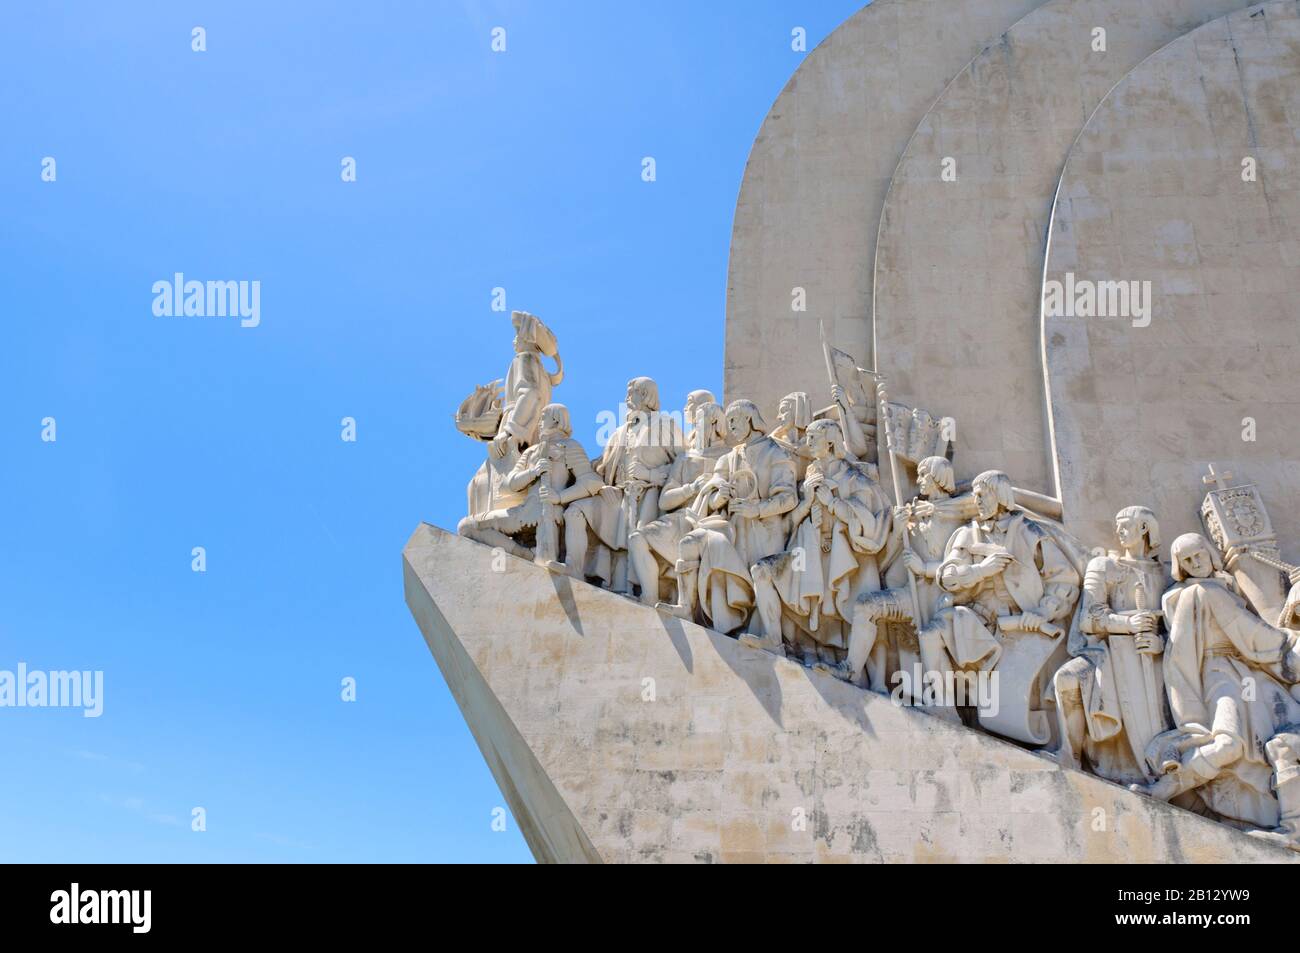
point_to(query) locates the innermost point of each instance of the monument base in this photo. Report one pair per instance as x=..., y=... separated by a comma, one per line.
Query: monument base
x=620, y=734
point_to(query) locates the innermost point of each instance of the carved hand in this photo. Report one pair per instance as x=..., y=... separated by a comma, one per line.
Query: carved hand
x=1142, y=623
x=1148, y=644
x=1032, y=621
x=994, y=563
x=914, y=563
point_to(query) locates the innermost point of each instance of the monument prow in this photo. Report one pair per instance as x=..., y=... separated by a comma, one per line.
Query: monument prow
x=621, y=733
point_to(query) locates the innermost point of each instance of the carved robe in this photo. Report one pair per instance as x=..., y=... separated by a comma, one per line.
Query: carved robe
x=831, y=560
x=1111, y=686
x=1215, y=643
x=730, y=545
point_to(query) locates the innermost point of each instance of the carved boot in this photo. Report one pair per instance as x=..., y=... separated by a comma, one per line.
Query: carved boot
x=1287, y=833
x=684, y=608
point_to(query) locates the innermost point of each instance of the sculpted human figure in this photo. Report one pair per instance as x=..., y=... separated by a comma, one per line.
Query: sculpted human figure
x=931, y=518
x=841, y=524
x=743, y=512
x=506, y=418
x=793, y=416
x=655, y=547
x=1008, y=576
x=1230, y=678
x=1110, y=694
x=548, y=475
x=634, y=465
x=694, y=401
x=528, y=384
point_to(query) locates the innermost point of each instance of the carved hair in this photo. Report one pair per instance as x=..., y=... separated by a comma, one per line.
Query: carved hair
x=1150, y=526
x=802, y=409
x=833, y=432
x=529, y=327
x=561, y=414
x=750, y=409
x=941, y=472
x=1185, y=545
x=648, y=390
x=1001, y=485
x=710, y=412
x=698, y=398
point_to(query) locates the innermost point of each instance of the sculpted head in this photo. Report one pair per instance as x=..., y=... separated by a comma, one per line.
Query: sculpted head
x=743, y=421
x=710, y=426
x=794, y=411
x=555, y=421
x=532, y=335
x=935, y=477
x=642, y=394
x=825, y=439
x=994, y=493
x=1136, y=529
x=694, y=400
x=1192, y=557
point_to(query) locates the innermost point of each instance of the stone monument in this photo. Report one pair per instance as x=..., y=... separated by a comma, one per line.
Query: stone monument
x=801, y=634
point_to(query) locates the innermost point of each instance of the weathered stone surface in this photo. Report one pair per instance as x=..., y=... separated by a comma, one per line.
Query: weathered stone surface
x=552, y=677
x=1153, y=191
x=958, y=266
x=817, y=175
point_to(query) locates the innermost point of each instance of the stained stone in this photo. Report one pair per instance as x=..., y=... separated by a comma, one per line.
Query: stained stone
x=817, y=175
x=958, y=267
x=1154, y=191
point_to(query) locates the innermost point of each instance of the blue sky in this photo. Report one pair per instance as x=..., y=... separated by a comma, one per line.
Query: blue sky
x=475, y=170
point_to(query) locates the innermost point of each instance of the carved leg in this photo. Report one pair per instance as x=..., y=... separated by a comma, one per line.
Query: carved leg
x=1203, y=766
x=488, y=536
x=687, y=569
x=548, y=538
x=1283, y=752
x=767, y=618
x=1069, y=710
x=576, y=533
x=645, y=566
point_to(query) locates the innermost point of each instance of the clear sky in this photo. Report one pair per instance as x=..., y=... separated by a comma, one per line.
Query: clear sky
x=474, y=170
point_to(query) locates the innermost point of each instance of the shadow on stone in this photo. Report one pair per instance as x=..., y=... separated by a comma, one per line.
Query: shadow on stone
x=677, y=635
x=564, y=590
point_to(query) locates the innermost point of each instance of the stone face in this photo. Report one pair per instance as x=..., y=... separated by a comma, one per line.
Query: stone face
x=958, y=266
x=1154, y=191
x=816, y=178
x=618, y=733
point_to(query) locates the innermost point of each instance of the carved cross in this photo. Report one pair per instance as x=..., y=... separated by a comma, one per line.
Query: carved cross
x=1217, y=478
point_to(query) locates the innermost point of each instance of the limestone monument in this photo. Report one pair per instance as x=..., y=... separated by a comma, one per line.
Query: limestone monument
x=823, y=637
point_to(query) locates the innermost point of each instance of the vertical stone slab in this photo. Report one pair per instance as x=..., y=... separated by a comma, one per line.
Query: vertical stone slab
x=816, y=178
x=1153, y=191
x=959, y=263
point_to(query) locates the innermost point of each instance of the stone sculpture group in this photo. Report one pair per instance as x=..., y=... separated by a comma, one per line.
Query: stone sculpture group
x=1178, y=678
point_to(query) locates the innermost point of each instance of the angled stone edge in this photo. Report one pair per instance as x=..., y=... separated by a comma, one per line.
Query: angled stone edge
x=738, y=745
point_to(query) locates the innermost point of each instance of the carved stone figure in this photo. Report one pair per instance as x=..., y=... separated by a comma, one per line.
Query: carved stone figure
x=694, y=401
x=634, y=465
x=508, y=421
x=1012, y=584
x=1110, y=695
x=548, y=475
x=743, y=512
x=655, y=547
x=528, y=384
x=853, y=393
x=841, y=525
x=1230, y=678
x=931, y=519
x=793, y=416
